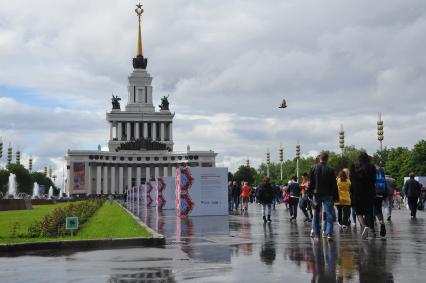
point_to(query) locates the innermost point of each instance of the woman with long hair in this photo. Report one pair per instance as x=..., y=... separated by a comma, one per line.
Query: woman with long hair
x=363, y=178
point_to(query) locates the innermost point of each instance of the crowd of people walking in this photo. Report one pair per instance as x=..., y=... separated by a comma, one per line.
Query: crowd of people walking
x=357, y=193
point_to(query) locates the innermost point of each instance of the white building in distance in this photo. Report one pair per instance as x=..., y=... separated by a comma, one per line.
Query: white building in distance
x=140, y=145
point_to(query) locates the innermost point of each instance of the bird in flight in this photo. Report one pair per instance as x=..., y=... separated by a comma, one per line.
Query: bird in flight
x=283, y=104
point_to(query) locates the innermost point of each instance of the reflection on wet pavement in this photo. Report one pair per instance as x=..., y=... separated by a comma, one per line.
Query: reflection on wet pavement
x=235, y=249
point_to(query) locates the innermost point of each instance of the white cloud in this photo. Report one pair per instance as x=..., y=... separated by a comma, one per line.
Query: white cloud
x=227, y=66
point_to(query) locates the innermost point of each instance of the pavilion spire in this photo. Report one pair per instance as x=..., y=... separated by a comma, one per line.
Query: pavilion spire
x=139, y=62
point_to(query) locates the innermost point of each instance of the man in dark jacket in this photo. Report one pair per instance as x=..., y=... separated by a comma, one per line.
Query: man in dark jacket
x=323, y=187
x=412, y=190
x=265, y=196
x=235, y=191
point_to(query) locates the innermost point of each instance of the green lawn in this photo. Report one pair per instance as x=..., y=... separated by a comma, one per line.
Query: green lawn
x=110, y=221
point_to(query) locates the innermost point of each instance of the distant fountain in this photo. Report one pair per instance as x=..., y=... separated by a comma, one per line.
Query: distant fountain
x=12, y=186
x=50, y=195
x=36, y=191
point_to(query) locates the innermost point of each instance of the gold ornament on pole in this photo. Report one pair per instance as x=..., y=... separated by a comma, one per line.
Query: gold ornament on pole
x=139, y=12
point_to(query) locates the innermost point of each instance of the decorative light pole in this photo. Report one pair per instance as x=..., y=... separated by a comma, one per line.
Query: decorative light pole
x=281, y=153
x=297, y=160
x=268, y=161
x=342, y=139
x=30, y=164
x=45, y=171
x=18, y=157
x=380, y=131
x=50, y=173
x=1, y=148
x=9, y=154
x=248, y=163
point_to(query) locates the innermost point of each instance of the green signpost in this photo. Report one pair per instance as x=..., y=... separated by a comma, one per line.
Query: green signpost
x=71, y=223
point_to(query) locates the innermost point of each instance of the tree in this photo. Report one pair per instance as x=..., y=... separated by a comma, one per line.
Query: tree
x=397, y=164
x=23, y=178
x=4, y=180
x=245, y=173
x=417, y=159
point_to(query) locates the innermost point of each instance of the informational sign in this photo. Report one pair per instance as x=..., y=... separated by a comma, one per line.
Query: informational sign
x=201, y=191
x=420, y=179
x=71, y=223
x=165, y=197
x=79, y=175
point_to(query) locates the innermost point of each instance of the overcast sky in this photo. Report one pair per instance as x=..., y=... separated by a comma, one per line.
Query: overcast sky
x=226, y=65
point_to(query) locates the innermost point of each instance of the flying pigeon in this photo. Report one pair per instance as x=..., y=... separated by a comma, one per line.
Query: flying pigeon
x=283, y=104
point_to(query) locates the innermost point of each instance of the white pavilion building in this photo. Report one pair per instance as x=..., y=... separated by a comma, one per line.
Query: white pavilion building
x=140, y=145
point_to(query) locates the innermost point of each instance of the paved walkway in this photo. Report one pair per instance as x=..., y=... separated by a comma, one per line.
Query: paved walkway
x=239, y=248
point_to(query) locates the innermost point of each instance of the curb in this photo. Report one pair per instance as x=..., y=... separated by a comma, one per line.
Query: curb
x=157, y=240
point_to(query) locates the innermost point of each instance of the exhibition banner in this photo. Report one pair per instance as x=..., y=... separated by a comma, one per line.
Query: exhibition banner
x=150, y=193
x=201, y=191
x=79, y=175
x=165, y=197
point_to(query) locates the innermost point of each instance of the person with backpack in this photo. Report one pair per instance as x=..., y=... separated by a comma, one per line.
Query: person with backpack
x=391, y=186
x=381, y=193
x=323, y=188
x=412, y=189
x=294, y=192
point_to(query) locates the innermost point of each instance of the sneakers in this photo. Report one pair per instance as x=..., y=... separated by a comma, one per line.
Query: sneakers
x=389, y=218
x=329, y=238
x=382, y=230
x=264, y=219
x=269, y=218
x=364, y=234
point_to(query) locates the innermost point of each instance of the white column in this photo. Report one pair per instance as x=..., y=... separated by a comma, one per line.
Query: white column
x=138, y=176
x=156, y=172
x=128, y=130
x=154, y=131
x=110, y=131
x=145, y=130
x=173, y=171
x=166, y=171
x=98, y=179
x=170, y=132
x=113, y=179
x=129, y=177
x=137, y=135
x=147, y=173
x=119, y=131
x=120, y=180
x=162, y=131
x=105, y=185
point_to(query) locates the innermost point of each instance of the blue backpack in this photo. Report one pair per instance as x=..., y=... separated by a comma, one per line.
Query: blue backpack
x=380, y=181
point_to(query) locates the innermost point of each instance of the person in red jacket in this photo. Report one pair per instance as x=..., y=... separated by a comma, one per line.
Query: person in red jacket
x=245, y=195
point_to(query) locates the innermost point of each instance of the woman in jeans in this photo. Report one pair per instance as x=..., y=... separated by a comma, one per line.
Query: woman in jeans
x=266, y=194
x=294, y=191
x=344, y=203
x=305, y=205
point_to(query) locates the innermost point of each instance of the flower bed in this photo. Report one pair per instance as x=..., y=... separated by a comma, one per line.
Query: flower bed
x=53, y=224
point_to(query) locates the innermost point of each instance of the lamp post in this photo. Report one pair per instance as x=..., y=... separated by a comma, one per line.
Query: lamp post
x=18, y=156
x=342, y=139
x=30, y=164
x=281, y=153
x=248, y=163
x=380, y=131
x=9, y=154
x=1, y=148
x=268, y=161
x=45, y=171
x=297, y=160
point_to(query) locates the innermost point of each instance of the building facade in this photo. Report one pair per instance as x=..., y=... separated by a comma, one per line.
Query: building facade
x=140, y=145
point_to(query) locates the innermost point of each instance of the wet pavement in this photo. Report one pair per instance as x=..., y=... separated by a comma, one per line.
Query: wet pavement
x=238, y=248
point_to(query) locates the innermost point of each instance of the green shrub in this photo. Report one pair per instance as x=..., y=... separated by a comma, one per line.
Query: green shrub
x=53, y=224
